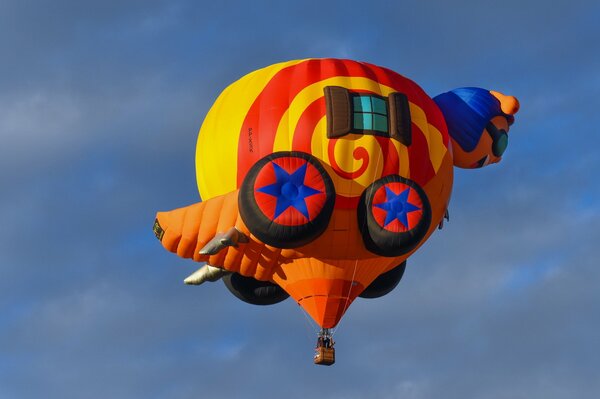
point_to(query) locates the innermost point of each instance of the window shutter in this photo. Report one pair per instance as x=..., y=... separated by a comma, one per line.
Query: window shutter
x=339, y=116
x=400, y=125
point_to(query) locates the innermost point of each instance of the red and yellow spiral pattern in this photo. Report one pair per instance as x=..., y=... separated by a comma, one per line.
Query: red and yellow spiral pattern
x=282, y=108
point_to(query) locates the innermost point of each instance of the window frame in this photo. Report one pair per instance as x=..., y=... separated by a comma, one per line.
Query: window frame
x=353, y=112
x=340, y=112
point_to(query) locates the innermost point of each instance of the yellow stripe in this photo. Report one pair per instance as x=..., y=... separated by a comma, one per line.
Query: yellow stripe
x=318, y=142
x=437, y=149
x=403, y=157
x=433, y=136
x=218, y=139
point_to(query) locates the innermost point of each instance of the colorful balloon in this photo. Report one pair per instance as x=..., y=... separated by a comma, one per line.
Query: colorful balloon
x=318, y=176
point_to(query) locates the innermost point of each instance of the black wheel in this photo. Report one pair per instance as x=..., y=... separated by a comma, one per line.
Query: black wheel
x=253, y=291
x=384, y=283
x=393, y=215
x=286, y=199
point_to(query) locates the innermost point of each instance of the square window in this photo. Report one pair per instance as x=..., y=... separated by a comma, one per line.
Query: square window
x=380, y=123
x=379, y=105
x=362, y=104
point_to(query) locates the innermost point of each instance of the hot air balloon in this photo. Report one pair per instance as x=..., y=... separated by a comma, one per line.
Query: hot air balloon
x=320, y=177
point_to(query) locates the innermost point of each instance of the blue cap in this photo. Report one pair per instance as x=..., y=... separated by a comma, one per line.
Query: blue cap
x=467, y=111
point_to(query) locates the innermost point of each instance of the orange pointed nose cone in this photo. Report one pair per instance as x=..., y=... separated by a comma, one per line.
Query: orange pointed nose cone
x=325, y=288
x=325, y=300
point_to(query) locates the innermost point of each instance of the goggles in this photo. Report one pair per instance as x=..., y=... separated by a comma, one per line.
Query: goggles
x=499, y=139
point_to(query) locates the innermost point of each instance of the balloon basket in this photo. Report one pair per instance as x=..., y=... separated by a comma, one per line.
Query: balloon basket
x=325, y=356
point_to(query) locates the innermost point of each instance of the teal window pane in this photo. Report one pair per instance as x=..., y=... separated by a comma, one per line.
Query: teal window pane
x=368, y=121
x=362, y=104
x=363, y=121
x=379, y=105
x=358, y=121
x=380, y=123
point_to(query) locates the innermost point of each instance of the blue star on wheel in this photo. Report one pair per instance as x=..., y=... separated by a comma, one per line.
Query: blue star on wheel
x=397, y=207
x=290, y=190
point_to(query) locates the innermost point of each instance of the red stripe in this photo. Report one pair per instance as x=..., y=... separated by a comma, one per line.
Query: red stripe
x=421, y=170
x=391, y=159
x=306, y=125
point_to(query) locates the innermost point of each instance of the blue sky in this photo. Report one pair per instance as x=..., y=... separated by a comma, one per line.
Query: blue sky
x=100, y=104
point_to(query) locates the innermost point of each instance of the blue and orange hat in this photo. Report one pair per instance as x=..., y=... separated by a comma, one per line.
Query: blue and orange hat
x=467, y=111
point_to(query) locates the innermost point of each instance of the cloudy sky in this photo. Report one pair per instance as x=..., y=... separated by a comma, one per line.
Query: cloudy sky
x=100, y=104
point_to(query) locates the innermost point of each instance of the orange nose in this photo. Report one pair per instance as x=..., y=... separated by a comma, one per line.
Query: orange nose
x=508, y=104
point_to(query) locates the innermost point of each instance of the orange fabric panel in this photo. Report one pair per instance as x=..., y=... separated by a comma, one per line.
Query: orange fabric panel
x=341, y=240
x=362, y=271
